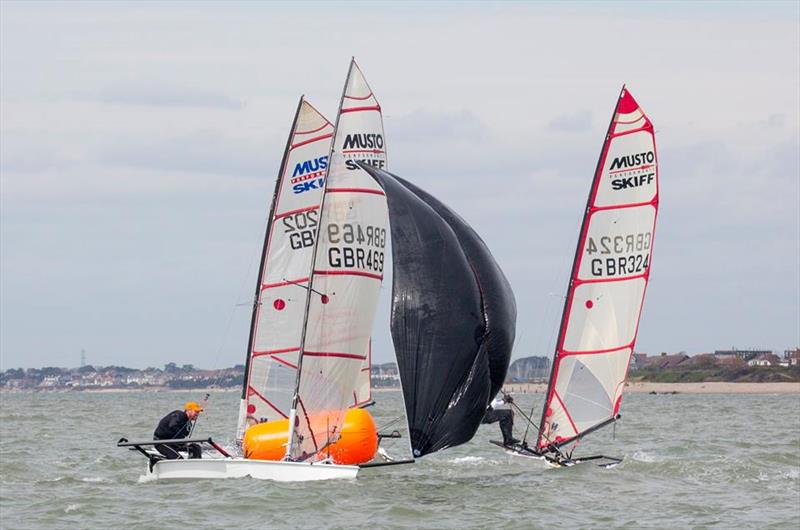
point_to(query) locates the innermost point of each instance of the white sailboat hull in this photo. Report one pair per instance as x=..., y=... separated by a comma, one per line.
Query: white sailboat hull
x=213, y=468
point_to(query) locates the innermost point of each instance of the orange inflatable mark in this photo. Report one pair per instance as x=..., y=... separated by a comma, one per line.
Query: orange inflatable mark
x=357, y=444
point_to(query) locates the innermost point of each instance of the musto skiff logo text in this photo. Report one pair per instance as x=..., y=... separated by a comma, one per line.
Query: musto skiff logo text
x=309, y=174
x=366, y=148
x=632, y=171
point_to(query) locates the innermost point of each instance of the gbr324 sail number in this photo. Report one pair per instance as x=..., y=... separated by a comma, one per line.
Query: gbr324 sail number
x=635, y=246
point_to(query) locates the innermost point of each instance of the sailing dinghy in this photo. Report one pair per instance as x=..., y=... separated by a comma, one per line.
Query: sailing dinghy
x=317, y=291
x=606, y=292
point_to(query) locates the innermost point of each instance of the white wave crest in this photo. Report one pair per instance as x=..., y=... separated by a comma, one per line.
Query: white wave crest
x=94, y=479
x=641, y=456
x=467, y=460
x=71, y=508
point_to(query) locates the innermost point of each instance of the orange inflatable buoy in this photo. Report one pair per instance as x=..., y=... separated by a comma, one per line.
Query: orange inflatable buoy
x=266, y=441
x=357, y=443
x=359, y=440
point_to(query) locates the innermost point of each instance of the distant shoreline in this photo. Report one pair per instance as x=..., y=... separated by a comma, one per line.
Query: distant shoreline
x=680, y=388
x=519, y=388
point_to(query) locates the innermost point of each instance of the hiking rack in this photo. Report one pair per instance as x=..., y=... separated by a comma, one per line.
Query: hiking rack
x=153, y=458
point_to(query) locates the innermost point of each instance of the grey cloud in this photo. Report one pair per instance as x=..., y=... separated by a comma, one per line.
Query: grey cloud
x=424, y=124
x=22, y=151
x=580, y=121
x=161, y=95
x=202, y=152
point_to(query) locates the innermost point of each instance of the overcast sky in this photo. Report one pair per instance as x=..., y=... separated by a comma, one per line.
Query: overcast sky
x=139, y=144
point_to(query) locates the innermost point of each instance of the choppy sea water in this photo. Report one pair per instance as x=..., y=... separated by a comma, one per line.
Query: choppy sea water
x=691, y=461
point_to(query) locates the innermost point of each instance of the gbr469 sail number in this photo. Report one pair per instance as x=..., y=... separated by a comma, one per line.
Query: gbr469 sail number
x=354, y=246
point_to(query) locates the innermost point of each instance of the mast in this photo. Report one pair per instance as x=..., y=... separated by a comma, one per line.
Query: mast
x=296, y=397
x=607, y=285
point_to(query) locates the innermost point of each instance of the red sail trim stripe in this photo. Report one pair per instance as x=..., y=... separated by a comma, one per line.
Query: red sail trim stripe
x=274, y=352
x=359, y=109
x=265, y=400
x=567, y=353
x=327, y=124
x=359, y=98
x=646, y=128
x=355, y=190
x=653, y=202
x=281, y=284
x=299, y=210
x=579, y=281
x=285, y=363
x=310, y=140
x=350, y=273
x=348, y=151
x=335, y=354
x=308, y=423
x=621, y=122
x=564, y=408
x=631, y=169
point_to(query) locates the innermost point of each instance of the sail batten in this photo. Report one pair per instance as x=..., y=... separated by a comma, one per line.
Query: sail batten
x=607, y=285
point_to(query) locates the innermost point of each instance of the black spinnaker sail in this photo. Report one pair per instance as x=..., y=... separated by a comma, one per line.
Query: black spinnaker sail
x=453, y=317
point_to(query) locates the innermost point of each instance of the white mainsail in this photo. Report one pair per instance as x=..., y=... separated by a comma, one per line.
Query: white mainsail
x=280, y=301
x=362, y=394
x=346, y=277
x=608, y=283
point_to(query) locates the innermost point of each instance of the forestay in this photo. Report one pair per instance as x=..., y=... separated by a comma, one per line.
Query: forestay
x=282, y=288
x=453, y=317
x=608, y=282
x=347, y=274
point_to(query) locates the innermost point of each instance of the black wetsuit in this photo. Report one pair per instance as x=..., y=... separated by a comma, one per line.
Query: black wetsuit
x=506, y=419
x=173, y=426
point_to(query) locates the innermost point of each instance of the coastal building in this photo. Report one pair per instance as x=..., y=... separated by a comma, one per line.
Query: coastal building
x=765, y=359
x=701, y=360
x=744, y=355
x=385, y=375
x=638, y=361
x=666, y=360
x=792, y=356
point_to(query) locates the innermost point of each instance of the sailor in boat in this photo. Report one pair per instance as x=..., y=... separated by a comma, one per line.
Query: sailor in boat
x=178, y=424
x=499, y=411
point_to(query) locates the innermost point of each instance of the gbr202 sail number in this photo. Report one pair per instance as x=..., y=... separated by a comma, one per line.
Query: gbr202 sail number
x=301, y=227
x=635, y=246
